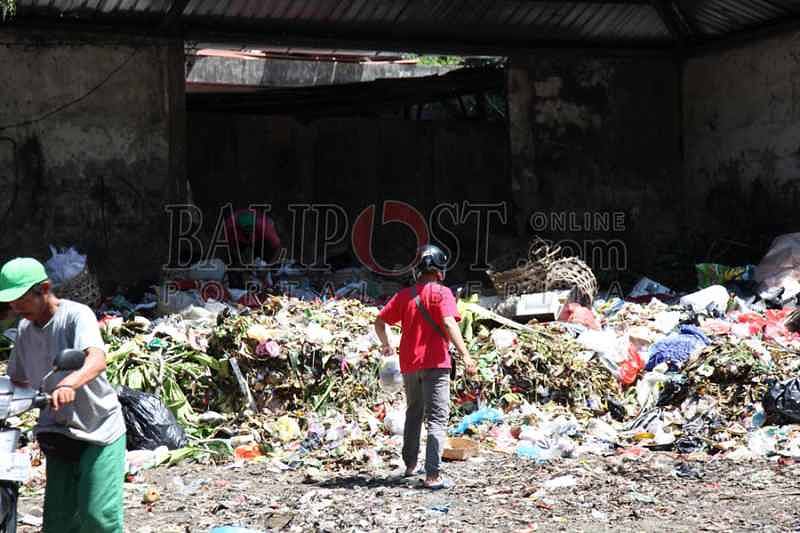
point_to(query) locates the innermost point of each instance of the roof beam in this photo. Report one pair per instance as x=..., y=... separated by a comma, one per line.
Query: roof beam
x=172, y=19
x=219, y=33
x=672, y=19
x=199, y=32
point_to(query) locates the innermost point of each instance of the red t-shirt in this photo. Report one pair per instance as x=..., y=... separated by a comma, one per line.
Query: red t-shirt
x=262, y=230
x=421, y=346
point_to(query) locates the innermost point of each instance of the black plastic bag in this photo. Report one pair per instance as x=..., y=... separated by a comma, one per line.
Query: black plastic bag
x=616, y=408
x=690, y=444
x=148, y=421
x=674, y=391
x=782, y=402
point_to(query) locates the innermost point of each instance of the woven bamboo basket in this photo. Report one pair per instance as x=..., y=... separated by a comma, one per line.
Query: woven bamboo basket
x=545, y=269
x=83, y=288
x=529, y=276
x=572, y=273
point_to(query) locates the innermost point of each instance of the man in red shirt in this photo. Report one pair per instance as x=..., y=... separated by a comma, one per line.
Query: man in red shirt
x=427, y=314
x=253, y=231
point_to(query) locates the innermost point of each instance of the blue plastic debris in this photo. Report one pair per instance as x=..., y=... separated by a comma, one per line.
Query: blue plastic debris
x=677, y=348
x=486, y=414
x=540, y=452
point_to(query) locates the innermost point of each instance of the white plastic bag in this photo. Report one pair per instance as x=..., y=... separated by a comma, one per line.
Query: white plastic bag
x=700, y=300
x=603, y=342
x=172, y=301
x=503, y=339
x=611, y=349
x=532, y=434
x=666, y=321
x=395, y=421
x=316, y=334
x=762, y=442
x=64, y=265
x=602, y=430
x=780, y=267
x=138, y=460
x=390, y=375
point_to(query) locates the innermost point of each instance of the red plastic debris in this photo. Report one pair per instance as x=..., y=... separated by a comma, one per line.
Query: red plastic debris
x=578, y=314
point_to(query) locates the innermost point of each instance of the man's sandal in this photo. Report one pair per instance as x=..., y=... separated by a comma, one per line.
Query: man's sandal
x=442, y=483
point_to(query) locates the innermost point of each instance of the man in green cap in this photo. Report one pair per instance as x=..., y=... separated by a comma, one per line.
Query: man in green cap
x=253, y=232
x=83, y=432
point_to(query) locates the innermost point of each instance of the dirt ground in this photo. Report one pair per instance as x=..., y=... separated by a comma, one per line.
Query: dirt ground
x=494, y=492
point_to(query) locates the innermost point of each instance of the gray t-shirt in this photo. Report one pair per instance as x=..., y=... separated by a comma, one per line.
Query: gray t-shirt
x=95, y=416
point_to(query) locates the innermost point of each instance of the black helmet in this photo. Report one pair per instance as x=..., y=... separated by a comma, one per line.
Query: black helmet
x=432, y=259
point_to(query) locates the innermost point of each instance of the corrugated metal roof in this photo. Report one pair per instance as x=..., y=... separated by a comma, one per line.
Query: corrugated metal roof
x=718, y=17
x=472, y=22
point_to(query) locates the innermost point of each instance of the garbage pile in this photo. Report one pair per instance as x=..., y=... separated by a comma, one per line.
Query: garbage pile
x=712, y=371
x=300, y=381
x=243, y=381
x=676, y=389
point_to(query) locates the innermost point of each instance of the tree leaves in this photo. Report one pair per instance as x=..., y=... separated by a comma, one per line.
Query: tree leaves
x=7, y=9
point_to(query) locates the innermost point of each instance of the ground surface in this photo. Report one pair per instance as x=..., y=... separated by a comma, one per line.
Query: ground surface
x=656, y=492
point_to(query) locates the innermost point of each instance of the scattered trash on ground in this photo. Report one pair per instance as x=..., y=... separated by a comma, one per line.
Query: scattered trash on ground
x=297, y=382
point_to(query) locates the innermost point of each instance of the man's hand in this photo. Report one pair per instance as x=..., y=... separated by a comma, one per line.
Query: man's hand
x=470, y=366
x=455, y=336
x=380, y=331
x=63, y=395
x=387, y=351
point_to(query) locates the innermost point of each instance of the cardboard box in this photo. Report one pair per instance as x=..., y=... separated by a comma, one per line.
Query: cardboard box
x=460, y=449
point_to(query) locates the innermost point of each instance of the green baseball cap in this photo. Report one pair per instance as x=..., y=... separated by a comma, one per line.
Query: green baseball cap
x=246, y=220
x=18, y=276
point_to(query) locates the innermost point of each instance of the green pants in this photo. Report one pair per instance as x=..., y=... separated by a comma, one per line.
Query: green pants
x=86, y=496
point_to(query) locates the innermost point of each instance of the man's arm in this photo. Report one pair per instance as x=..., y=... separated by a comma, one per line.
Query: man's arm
x=95, y=364
x=380, y=331
x=390, y=314
x=454, y=332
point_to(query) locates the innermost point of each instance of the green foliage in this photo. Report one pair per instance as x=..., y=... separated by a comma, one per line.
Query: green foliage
x=437, y=61
x=441, y=61
x=7, y=8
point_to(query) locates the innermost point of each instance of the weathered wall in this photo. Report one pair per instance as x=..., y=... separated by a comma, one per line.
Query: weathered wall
x=91, y=148
x=351, y=162
x=297, y=73
x=742, y=135
x=598, y=137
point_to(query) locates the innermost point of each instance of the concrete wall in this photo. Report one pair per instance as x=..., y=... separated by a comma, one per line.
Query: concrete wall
x=596, y=157
x=91, y=148
x=350, y=162
x=296, y=73
x=742, y=144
